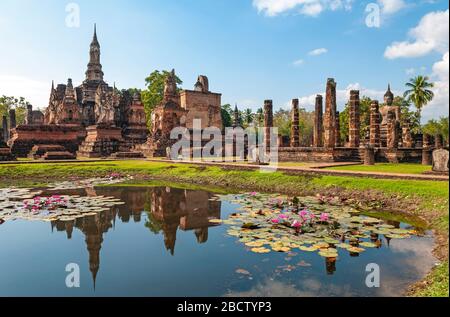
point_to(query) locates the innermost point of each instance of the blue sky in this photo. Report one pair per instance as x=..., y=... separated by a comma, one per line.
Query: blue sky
x=251, y=50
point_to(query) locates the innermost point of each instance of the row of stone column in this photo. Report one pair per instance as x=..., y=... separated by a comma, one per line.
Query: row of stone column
x=327, y=125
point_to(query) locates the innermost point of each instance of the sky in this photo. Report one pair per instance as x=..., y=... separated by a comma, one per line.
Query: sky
x=251, y=50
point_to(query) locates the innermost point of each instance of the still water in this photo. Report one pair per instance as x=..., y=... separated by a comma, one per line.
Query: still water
x=161, y=243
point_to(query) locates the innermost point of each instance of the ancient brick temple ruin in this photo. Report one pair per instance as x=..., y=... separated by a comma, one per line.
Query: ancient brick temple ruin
x=96, y=120
x=90, y=120
x=180, y=109
x=390, y=138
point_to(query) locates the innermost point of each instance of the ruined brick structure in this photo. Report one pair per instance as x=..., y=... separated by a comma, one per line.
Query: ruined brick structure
x=392, y=131
x=180, y=109
x=354, y=119
x=136, y=130
x=295, y=128
x=165, y=117
x=318, y=122
x=337, y=130
x=374, y=124
x=329, y=120
x=202, y=104
x=438, y=141
x=12, y=119
x=399, y=146
x=74, y=112
x=268, y=122
x=5, y=129
x=407, y=139
x=427, y=150
x=34, y=117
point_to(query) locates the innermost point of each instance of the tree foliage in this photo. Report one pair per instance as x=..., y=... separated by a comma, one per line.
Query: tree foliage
x=154, y=92
x=435, y=127
x=419, y=92
x=226, y=112
x=282, y=120
x=19, y=104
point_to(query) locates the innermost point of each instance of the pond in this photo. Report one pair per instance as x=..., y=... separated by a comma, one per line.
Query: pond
x=166, y=241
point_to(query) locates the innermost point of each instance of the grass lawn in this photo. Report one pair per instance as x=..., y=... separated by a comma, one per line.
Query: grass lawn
x=426, y=199
x=403, y=168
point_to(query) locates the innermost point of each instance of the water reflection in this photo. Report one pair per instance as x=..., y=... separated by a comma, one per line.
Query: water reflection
x=166, y=229
x=166, y=209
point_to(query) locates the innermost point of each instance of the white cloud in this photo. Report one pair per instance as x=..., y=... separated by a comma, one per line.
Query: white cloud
x=391, y=6
x=298, y=62
x=34, y=91
x=430, y=35
x=439, y=105
x=318, y=51
x=305, y=7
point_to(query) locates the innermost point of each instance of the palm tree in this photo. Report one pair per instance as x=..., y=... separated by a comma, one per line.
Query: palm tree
x=248, y=117
x=419, y=93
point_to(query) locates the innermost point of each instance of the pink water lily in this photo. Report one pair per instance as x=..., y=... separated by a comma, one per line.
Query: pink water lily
x=275, y=221
x=324, y=217
x=282, y=216
x=296, y=224
x=304, y=213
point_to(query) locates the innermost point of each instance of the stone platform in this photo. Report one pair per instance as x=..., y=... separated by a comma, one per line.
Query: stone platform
x=6, y=155
x=311, y=154
x=25, y=137
x=346, y=154
x=128, y=155
x=102, y=141
x=55, y=156
x=38, y=151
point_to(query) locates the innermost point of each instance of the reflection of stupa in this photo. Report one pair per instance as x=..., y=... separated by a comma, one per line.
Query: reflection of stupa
x=188, y=210
x=171, y=208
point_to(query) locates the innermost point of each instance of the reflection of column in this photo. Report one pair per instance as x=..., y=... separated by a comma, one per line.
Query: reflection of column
x=69, y=229
x=170, y=236
x=330, y=264
x=201, y=234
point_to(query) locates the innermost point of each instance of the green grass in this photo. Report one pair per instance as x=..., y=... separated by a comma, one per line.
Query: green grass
x=427, y=199
x=402, y=168
x=437, y=282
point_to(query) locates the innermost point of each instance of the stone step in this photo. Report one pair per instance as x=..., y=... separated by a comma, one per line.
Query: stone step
x=52, y=156
x=128, y=155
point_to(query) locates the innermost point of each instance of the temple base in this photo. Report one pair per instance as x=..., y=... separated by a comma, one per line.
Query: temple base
x=101, y=141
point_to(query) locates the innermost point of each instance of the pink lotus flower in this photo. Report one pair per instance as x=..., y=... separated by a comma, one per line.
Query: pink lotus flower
x=296, y=224
x=324, y=217
x=282, y=216
x=304, y=213
x=275, y=221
